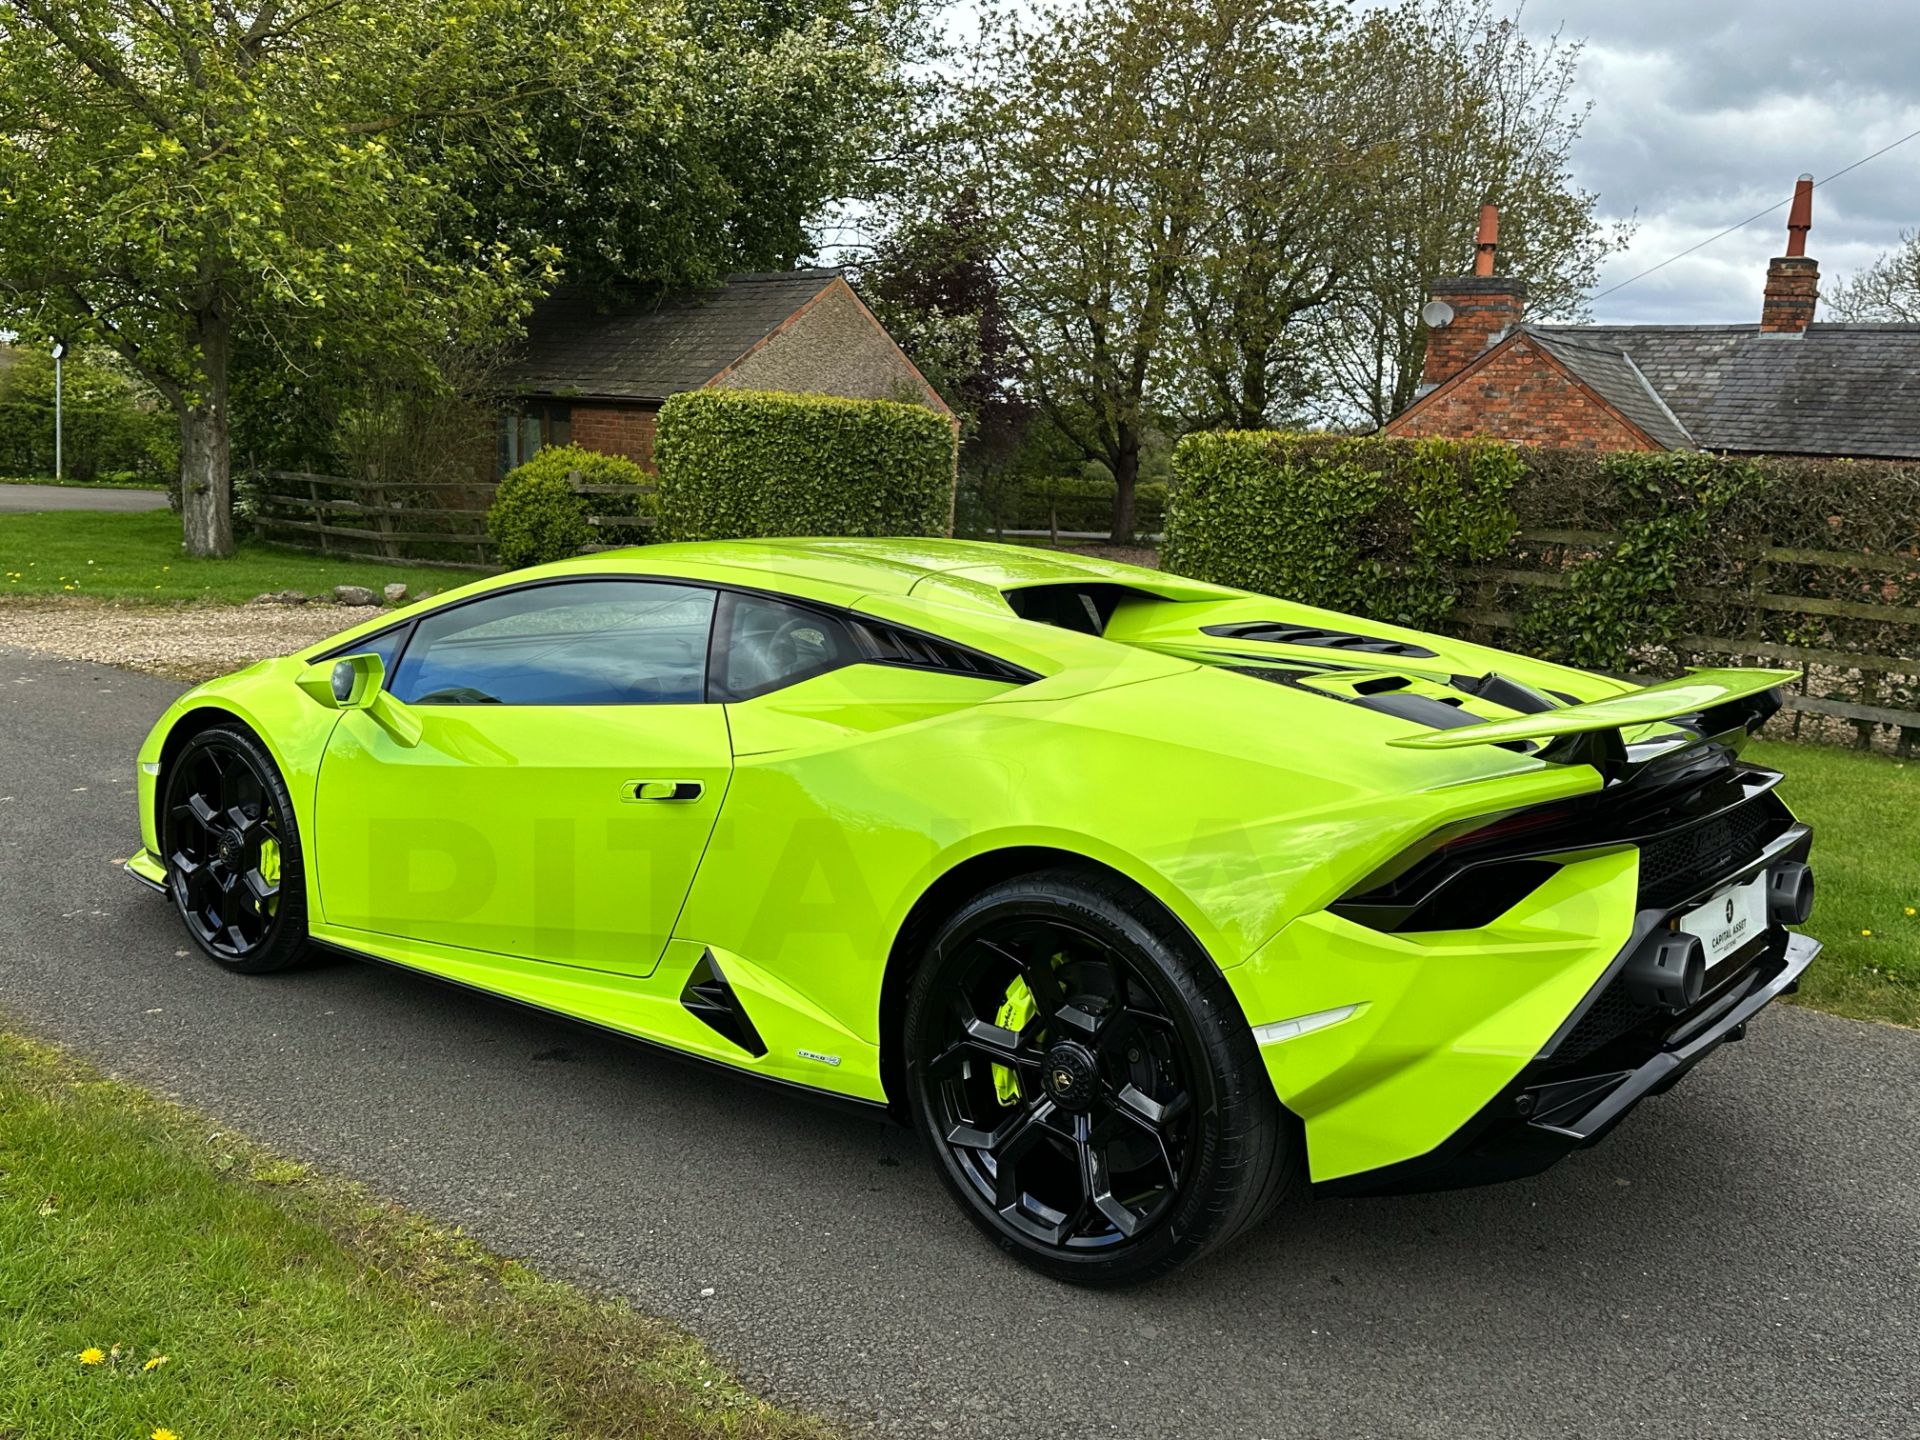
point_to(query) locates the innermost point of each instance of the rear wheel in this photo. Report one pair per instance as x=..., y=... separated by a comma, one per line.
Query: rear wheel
x=234, y=864
x=1088, y=1086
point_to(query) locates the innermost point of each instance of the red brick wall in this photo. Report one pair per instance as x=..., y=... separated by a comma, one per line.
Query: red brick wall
x=1519, y=396
x=616, y=430
x=1793, y=291
x=1484, y=307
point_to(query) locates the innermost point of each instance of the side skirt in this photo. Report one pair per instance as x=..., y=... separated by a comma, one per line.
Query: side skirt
x=849, y=1104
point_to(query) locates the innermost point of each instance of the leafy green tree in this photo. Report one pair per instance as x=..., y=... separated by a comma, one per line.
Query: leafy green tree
x=715, y=154
x=1096, y=134
x=176, y=178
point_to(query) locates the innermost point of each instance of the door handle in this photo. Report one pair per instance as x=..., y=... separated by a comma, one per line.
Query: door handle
x=681, y=790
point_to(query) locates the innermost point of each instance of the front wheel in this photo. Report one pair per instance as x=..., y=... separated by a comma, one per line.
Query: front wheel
x=234, y=864
x=1089, y=1088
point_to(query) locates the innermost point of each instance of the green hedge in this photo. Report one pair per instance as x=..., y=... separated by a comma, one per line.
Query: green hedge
x=536, y=517
x=1369, y=526
x=751, y=463
x=1618, y=562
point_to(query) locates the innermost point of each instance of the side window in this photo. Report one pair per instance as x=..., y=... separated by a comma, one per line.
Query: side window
x=582, y=642
x=766, y=644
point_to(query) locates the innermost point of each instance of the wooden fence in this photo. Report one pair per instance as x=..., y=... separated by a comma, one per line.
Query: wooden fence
x=1859, y=660
x=439, y=522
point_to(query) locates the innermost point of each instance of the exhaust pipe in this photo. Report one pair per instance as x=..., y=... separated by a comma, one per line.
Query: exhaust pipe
x=1668, y=971
x=1789, y=893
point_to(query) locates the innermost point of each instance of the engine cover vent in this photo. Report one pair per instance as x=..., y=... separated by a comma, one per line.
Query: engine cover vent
x=1280, y=632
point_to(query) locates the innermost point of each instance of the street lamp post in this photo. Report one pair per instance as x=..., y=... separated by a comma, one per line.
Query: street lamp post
x=58, y=350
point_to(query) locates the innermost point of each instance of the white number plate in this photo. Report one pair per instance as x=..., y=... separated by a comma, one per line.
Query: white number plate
x=1730, y=919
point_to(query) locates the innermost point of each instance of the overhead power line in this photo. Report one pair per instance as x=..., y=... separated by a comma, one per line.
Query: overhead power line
x=1758, y=215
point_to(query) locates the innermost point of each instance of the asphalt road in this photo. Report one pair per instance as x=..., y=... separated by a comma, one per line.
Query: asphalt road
x=19, y=499
x=1742, y=1258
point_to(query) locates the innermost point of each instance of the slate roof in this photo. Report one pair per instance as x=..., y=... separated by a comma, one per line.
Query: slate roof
x=578, y=346
x=1611, y=372
x=1837, y=389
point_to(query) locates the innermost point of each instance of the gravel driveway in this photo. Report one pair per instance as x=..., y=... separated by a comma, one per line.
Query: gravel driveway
x=183, y=642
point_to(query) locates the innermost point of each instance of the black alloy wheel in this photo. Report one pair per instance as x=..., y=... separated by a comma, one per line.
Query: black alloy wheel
x=1087, y=1084
x=232, y=852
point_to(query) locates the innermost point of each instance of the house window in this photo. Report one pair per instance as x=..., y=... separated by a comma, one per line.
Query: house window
x=527, y=429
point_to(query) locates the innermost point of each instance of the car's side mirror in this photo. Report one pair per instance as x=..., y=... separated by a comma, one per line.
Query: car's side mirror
x=353, y=682
x=349, y=683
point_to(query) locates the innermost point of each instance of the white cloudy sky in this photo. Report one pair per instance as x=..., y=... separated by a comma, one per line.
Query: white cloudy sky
x=1705, y=111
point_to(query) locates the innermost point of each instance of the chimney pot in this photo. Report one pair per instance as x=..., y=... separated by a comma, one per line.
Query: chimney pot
x=1487, y=241
x=1800, y=216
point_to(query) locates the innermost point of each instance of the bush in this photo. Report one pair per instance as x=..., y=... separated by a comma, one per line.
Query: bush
x=536, y=516
x=111, y=427
x=751, y=463
x=1370, y=526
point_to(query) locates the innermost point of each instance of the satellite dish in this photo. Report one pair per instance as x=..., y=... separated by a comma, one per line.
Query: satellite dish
x=1437, y=313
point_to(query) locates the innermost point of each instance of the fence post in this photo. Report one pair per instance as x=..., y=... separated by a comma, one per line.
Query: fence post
x=319, y=515
x=382, y=518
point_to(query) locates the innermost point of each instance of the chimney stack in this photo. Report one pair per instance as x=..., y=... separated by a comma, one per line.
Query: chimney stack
x=1470, y=312
x=1793, y=280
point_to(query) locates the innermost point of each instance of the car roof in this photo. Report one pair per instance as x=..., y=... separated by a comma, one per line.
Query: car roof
x=892, y=566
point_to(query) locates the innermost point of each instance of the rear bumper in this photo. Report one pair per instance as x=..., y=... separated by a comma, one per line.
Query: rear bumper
x=1552, y=1108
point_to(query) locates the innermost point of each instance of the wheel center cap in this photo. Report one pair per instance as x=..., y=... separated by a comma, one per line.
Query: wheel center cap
x=228, y=848
x=1071, y=1076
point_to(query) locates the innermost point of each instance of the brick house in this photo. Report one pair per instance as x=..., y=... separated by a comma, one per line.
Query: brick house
x=1787, y=386
x=595, y=375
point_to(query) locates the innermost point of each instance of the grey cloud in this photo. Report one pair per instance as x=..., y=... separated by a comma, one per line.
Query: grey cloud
x=1705, y=113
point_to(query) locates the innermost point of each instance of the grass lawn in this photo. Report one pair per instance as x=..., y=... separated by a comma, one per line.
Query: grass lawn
x=137, y=557
x=162, y=1278
x=1865, y=813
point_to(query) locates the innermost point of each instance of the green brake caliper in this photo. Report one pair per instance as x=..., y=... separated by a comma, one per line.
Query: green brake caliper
x=1015, y=1011
x=270, y=868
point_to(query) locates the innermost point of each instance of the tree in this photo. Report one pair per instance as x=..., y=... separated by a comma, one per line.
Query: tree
x=1480, y=113
x=176, y=178
x=1279, y=240
x=1887, y=290
x=339, y=192
x=1096, y=134
x=715, y=156
x=931, y=281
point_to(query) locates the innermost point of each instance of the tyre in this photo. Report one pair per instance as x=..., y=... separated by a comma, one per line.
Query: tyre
x=234, y=864
x=1089, y=1088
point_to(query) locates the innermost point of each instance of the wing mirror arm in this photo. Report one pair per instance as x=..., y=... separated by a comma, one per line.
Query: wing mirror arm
x=355, y=682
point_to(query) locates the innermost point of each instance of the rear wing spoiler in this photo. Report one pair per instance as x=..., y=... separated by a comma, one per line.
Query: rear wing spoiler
x=1589, y=734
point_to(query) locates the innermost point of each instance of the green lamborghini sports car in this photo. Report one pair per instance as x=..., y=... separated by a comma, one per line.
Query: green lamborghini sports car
x=1144, y=899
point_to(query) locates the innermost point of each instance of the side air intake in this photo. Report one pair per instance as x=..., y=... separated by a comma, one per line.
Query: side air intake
x=710, y=999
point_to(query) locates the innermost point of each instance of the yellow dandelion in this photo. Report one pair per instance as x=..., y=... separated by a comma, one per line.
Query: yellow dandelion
x=164, y=1434
x=1866, y=932
x=1912, y=911
x=156, y=1362
x=92, y=1355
